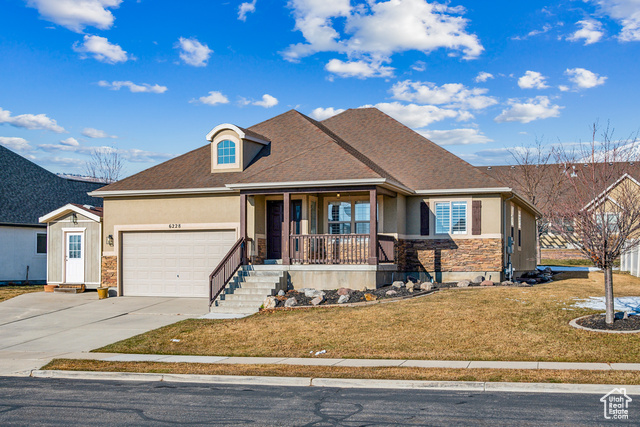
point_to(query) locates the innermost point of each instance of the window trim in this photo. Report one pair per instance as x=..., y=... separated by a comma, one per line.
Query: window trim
x=450, y=203
x=214, y=154
x=353, y=200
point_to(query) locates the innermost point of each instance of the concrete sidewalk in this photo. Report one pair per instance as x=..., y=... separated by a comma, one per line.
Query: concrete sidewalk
x=317, y=361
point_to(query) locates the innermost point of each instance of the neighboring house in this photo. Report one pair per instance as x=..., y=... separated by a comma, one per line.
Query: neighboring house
x=74, y=253
x=356, y=200
x=28, y=192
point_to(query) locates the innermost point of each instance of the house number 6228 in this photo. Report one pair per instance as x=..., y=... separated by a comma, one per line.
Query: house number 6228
x=174, y=225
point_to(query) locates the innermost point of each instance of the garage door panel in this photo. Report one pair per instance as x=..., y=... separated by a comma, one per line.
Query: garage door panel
x=176, y=263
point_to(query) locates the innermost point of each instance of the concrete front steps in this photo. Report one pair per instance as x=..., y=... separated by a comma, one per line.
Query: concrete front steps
x=248, y=289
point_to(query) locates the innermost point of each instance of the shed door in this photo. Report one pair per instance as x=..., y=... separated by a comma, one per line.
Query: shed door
x=172, y=263
x=74, y=258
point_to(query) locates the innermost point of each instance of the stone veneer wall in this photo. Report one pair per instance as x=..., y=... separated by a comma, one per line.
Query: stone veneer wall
x=261, y=252
x=449, y=255
x=109, y=271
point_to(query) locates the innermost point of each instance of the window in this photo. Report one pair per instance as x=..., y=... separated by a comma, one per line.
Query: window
x=41, y=243
x=610, y=218
x=339, y=218
x=451, y=218
x=75, y=246
x=226, y=152
x=349, y=217
x=313, y=217
x=519, y=228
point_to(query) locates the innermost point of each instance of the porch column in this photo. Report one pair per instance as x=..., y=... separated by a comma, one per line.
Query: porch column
x=373, y=226
x=286, y=232
x=243, y=225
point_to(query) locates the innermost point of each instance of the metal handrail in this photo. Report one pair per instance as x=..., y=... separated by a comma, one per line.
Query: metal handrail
x=225, y=270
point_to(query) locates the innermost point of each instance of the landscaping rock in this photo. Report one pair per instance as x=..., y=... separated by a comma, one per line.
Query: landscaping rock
x=370, y=297
x=391, y=292
x=313, y=293
x=486, y=283
x=463, y=283
x=507, y=283
x=345, y=291
x=548, y=270
x=532, y=281
x=477, y=280
x=318, y=300
x=343, y=299
x=280, y=293
x=270, y=302
x=426, y=286
x=410, y=288
x=398, y=284
x=412, y=279
x=291, y=302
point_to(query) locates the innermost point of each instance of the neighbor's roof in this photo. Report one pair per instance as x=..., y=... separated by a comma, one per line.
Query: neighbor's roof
x=91, y=212
x=28, y=191
x=357, y=144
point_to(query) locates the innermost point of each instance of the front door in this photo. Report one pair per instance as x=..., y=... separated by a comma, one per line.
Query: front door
x=275, y=217
x=74, y=258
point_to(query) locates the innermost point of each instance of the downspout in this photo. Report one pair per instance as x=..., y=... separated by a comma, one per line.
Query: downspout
x=508, y=268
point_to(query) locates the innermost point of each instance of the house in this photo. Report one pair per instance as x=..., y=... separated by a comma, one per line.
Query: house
x=28, y=192
x=74, y=255
x=356, y=200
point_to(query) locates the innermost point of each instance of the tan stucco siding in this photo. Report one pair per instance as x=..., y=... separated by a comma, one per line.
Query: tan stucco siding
x=163, y=211
x=524, y=250
x=490, y=214
x=389, y=215
x=56, y=248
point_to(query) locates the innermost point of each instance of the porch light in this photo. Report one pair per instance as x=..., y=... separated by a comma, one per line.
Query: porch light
x=338, y=196
x=110, y=240
x=74, y=218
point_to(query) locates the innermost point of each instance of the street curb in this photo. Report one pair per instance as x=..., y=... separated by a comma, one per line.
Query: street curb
x=476, y=386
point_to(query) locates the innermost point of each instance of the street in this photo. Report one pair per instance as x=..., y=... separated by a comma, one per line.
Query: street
x=32, y=401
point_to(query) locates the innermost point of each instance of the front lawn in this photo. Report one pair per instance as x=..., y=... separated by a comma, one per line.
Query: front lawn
x=7, y=292
x=499, y=323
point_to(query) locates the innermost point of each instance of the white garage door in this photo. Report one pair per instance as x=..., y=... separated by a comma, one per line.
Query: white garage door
x=174, y=263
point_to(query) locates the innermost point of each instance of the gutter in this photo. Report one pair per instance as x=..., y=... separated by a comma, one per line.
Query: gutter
x=164, y=192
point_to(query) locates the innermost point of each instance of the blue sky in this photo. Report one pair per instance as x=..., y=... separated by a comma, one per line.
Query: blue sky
x=151, y=78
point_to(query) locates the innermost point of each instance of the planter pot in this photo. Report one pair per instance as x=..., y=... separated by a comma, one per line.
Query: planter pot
x=49, y=288
x=103, y=293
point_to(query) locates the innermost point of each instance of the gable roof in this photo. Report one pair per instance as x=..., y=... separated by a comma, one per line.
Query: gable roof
x=92, y=212
x=28, y=191
x=363, y=145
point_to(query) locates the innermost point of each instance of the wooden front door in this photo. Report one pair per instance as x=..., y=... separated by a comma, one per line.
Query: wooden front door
x=275, y=217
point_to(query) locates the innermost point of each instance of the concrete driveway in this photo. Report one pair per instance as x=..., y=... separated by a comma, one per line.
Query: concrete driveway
x=36, y=327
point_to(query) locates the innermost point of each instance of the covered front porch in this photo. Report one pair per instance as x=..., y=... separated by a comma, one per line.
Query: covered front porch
x=320, y=226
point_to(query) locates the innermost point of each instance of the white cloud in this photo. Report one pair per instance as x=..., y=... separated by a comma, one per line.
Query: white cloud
x=15, y=143
x=214, y=98
x=419, y=66
x=192, y=52
x=626, y=13
x=77, y=14
x=324, y=113
x=456, y=136
x=361, y=69
x=245, y=8
x=483, y=76
x=415, y=116
x=71, y=142
x=378, y=30
x=30, y=121
x=533, y=33
x=268, y=101
x=532, y=109
x=563, y=88
x=133, y=87
x=590, y=31
x=454, y=95
x=101, y=50
x=532, y=80
x=96, y=133
x=584, y=79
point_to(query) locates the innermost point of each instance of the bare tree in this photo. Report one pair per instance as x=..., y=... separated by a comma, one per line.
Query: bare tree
x=536, y=177
x=105, y=164
x=599, y=210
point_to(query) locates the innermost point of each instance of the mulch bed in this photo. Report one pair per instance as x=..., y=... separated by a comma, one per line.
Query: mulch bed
x=597, y=321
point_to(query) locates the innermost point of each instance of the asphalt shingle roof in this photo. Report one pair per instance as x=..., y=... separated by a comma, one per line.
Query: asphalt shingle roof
x=28, y=191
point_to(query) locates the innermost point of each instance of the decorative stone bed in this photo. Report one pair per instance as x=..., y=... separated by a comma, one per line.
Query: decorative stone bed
x=308, y=297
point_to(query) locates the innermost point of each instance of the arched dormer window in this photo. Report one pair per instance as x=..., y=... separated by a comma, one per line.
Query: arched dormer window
x=226, y=152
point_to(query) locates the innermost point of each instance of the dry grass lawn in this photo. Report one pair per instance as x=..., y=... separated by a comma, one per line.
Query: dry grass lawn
x=7, y=292
x=424, y=374
x=528, y=324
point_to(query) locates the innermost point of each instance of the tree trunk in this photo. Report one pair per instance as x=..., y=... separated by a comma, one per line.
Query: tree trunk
x=608, y=293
